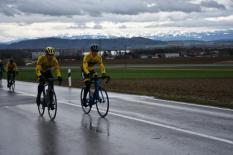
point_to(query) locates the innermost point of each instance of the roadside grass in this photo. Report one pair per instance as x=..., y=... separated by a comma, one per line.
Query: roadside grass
x=29, y=74
x=206, y=86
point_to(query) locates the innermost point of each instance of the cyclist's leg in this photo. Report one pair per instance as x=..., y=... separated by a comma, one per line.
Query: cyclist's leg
x=96, y=93
x=87, y=83
x=87, y=88
x=40, y=90
x=48, y=75
x=8, y=79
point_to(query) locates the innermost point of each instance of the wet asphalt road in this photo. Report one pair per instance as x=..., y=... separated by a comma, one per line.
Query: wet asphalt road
x=135, y=125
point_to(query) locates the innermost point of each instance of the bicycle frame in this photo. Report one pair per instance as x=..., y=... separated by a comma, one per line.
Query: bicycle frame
x=11, y=78
x=95, y=96
x=50, y=89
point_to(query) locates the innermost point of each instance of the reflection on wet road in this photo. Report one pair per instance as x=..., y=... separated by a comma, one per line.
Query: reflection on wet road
x=102, y=125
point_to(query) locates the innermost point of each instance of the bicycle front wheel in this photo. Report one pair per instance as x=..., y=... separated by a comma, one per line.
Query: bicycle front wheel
x=41, y=107
x=85, y=106
x=102, y=104
x=52, y=106
x=13, y=86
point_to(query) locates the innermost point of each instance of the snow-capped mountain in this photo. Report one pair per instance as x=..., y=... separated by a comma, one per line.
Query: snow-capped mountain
x=207, y=36
x=218, y=38
x=72, y=37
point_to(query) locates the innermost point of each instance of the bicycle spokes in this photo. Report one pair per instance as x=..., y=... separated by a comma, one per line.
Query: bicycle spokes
x=85, y=103
x=103, y=103
x=41, y=105
x=52, y=106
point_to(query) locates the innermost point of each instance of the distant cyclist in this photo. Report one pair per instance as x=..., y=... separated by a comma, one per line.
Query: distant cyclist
x=89, y=61
x=11, y=69
x=1, y=69
x=44, y=67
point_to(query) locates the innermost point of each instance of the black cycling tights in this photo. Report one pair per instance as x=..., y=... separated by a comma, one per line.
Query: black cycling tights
x=87, y=88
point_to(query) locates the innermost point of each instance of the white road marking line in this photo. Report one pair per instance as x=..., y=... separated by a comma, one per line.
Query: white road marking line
x=195, y=105
x=153, y=123
x=203, y=111
x=163, y=125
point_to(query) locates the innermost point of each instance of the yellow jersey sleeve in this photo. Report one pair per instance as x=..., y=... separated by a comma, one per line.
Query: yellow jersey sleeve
x=102, y=67
x=85, y=64
x=38, y=66
x=7, y=66
x=56, y=67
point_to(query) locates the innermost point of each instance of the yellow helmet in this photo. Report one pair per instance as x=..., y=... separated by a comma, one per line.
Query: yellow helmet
x=50, y=50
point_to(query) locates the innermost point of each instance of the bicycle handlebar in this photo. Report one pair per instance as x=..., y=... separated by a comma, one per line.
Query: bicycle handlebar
x=53, y=79
x=101, y=77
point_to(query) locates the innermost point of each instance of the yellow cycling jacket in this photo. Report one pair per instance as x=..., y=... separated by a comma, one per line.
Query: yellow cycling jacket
x=11, y=67
x=89, y=62
x=43, y=65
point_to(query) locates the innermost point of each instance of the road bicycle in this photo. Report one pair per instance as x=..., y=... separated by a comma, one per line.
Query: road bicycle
x=96, y=96
x=48, y=99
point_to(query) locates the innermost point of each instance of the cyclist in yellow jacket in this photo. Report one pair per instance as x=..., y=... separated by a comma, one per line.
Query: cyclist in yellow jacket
x=11, y=69
x=44, y=66
x=89, y=61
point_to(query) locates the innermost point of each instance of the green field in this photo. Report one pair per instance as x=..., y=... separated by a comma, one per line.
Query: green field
x=29, y=74
x=170, y=73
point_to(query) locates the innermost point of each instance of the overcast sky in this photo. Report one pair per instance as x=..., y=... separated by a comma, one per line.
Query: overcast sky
x=44, y=18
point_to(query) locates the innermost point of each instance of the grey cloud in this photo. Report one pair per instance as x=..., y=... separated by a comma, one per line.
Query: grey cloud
x=78, y=26
x=98, y=26
x=212, y=4
x=199, y=23
x=85, y=26
x=178, y=5
x=164, y=13
x=7, y=8
x=122, y=27
x=98, y=7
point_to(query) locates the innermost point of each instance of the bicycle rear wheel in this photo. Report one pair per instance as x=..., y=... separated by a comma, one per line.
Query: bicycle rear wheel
x=87, y=107
x=13, y=86
x=102, y=104
x=41, y=107
x=52, y=106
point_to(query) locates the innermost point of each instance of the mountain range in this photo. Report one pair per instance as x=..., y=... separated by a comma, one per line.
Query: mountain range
x=112, y=43
x=214, y=39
